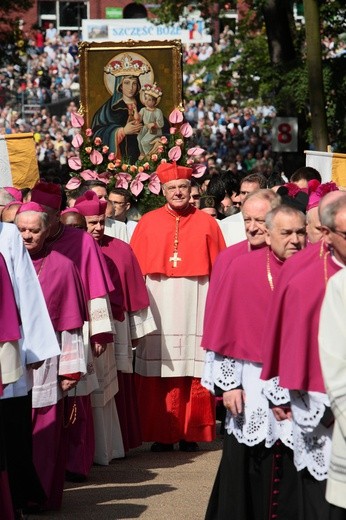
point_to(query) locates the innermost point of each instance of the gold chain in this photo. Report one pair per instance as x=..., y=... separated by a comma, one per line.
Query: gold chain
x=321, y=248
x=73, y=415
x=41, y=266
x=269, y=273
x=325, y=267
x=175, y=258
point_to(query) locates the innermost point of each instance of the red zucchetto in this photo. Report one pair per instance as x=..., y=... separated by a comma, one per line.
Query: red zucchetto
x=89, y=204
x=172, y=171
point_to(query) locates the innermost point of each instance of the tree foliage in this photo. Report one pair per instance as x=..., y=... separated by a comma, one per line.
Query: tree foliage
x=12, y=41
x=10, y=7
x=266, y=61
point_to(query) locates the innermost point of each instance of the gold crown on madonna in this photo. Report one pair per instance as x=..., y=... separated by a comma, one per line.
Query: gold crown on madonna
x=127, y=66
x=152, y=90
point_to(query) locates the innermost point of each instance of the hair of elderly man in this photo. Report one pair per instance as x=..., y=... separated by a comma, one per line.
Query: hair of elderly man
x=5, y=197
x=44, y=217
x=271, y=196
x=329, y=212
x=285, y=209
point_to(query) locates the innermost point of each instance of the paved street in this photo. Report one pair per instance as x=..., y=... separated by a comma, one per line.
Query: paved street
x=145, y=485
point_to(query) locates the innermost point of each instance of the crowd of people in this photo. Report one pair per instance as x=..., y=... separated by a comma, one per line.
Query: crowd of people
x=236, y=138
x=118, y=328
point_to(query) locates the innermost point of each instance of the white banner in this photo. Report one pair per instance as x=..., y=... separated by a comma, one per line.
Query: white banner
x=331, y=166
x=139, y=29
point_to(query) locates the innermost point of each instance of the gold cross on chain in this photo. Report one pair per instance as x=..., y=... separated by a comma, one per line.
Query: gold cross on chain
x=175, y=259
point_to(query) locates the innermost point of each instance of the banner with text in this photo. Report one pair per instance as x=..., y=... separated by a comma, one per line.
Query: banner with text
x=143, y=30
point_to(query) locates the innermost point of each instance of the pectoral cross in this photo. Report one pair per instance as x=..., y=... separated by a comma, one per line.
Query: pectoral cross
x=175, y=259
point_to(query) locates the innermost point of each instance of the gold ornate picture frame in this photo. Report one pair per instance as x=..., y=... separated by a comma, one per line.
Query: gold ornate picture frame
x=164, y=60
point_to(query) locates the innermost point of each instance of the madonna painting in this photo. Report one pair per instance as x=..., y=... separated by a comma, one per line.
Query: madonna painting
x=124, y=111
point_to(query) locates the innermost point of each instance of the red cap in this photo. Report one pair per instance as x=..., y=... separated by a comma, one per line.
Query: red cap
x=70, y=210
x=321, y=191
x=89, y=204
x=47, y=194
x=172, y=171
x=30, y=206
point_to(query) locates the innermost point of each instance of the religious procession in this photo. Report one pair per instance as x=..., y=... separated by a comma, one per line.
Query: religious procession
x=171, y=266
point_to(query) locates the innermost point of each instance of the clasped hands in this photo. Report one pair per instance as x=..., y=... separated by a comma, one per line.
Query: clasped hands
x=234, y=401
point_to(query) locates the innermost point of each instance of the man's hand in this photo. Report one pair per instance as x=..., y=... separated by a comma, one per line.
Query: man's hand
x=67, y=384
x=234, y=400
x=281, y=413
x=98, y=349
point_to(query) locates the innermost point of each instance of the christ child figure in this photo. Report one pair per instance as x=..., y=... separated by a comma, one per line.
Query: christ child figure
x=151, y=118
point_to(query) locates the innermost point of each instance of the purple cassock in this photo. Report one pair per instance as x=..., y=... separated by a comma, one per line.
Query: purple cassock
x=67, y=307
x=9, y=331
x=227, y=330
x=66, y=302
x=134, y=290
x=219, y=272
x=135, y=295
x=82, y=249
x=9, y=316
x=291, y=339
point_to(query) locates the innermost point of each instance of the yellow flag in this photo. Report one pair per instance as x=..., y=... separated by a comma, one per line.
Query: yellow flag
x=18, y=162
x=331, y=166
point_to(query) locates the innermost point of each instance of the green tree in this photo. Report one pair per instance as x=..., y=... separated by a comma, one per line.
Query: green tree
x=315, y=75
x=12, y=41
x=270, y=60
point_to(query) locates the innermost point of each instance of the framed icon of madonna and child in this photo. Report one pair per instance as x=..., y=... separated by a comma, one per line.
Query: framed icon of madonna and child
x=128, y=90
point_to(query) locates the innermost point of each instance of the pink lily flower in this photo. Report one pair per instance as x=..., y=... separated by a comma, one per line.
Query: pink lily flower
x=186, y=130
x=137, y=185
x=123, y=180
x=96, y=157
x=77, y=141
x=75, y=163
x=175, y=116
x=196, y=150
x=88, y=175
x=154, y=184
x=198, y=170
x=73, y=183
x=77, y=121
x=174, y=153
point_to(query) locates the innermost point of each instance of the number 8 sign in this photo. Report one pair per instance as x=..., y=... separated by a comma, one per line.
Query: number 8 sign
x=285, y=134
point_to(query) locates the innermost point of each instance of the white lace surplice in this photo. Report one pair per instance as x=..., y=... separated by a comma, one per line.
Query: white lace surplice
x=46, y=390
x=135, y=325
x=174, y=350
x=312, y=440
x=257, y=423
x=100, y=322
x=11, y=367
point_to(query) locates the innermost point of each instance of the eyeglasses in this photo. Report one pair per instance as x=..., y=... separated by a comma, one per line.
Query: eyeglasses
x=182, y=187
x=117, y=203
x=340, y=233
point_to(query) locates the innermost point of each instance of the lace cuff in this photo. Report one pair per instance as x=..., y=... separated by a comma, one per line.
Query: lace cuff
x=308, y=408
x=141, y=323
x=72, y=357
x=224, y=372
x=275, y=393
x=100, y=316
